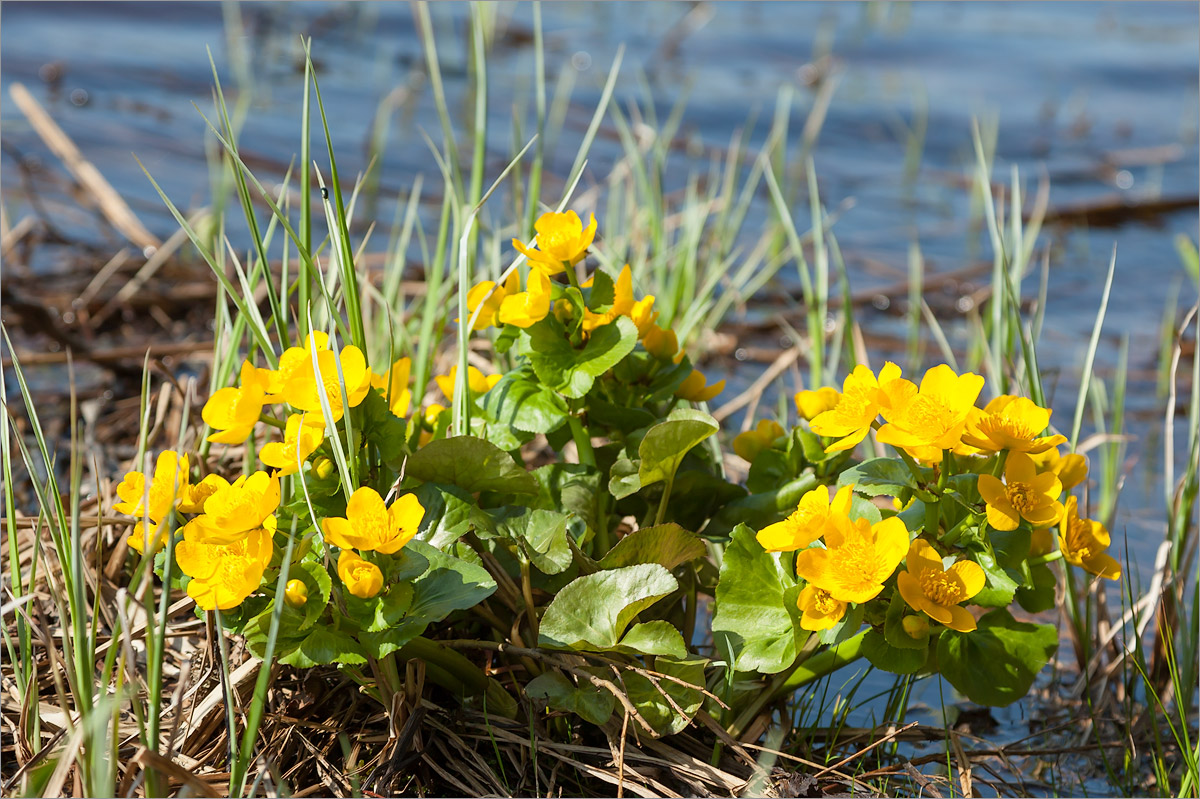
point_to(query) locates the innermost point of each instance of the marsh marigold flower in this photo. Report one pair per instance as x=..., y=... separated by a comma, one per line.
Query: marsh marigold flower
x=527, y=308
x=477, y=383
x=394, y=386
x=169, y=484
x=233, y=412
x=299, y=441
x=819, y=610
x=247, y=504
x=813, y=515
x=695, y=388
x=194, y=497
x=858, y=557
x=860, y=402
x=1011, y=423
x=371, y=526
x=811, y=404
x=223, y=575
x=562, y=241
x=295, y=593
x=303, y=388
x=1070, y=469
x=933, y=419
x=1024, y=494
x=482, y=294
x=661, y=343
x=936, y=591
x=1083, y=543
x=292, y=360
x=362, y=578
x=751, y=442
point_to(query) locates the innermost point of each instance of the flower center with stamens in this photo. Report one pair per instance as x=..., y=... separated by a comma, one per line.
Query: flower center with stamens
x=1003, y=425
x=857, y=405
x=940, y=587
x=824, y=603
x=856, y=564
x=1021, y=496
x=930, y=417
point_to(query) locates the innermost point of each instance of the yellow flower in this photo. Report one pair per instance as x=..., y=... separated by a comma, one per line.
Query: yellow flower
x=813, y=515
x=1011, y=423
x=170, y=483
x=1070, y=469
x=562, y=241
x=1041, y=542
x=371, y=526
x=811, y=404
x=857, y=559
x=299, y=441
x=361, y=577
x=394, y=386
x=661, y=343
x=231, y=513
x=1083, y=542
x=526, y=308
x=303, y=390
x=622, y=304
x=157, y=536
x=695, y=388
x=193, y=497
x=233, y=412
x=936, y=591
x=223, y=575
x=295, y=593
x=819, y=609
x=322, y=468
x=860, y=402
x=479, y=295
x=1024, y=494
x=292, y=360
x=476, y=382
x=642, y=314
x=932, y=420
x=751, y=442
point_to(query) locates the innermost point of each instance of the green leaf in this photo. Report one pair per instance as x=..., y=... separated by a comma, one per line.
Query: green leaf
x=589, y=702
x=542, y=536
x=592, y=611
x=520, y=401
x=752, y=619
x=450, y=584
x=863, y=508
x=569, y=487
x=472, y=464
x=572, y=371
x=656, y=637
x=846, y=627
x=893, y=628
x=450, y=513
x=659, y=711
x=878, y=476
x=1038, y=595
x=996, y=663
x=665, y=444
x=883, y=655
x=323, y=646
x=1000, y=587
x=619, y=417
x=759, y=510
x=383, y=428
x=624, y=480
x=668, y=545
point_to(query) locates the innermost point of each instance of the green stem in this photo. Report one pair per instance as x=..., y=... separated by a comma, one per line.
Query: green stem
x=583, y=443
x=662, y=503
x=1048, y=558
x=272, y=421
x=572, y=276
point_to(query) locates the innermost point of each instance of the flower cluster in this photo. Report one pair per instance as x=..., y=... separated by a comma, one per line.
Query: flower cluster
x=953, y=451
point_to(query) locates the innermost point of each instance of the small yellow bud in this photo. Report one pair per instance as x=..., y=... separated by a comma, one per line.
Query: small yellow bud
x=322, y=468
x=915, y=626
x=296, y=593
